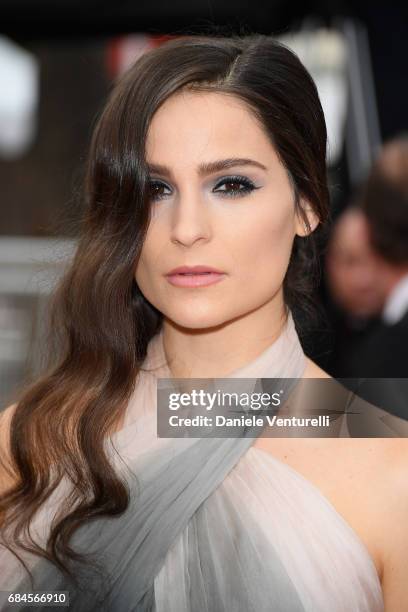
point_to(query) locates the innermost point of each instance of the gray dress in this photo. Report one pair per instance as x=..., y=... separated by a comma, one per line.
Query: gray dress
x=213, y=525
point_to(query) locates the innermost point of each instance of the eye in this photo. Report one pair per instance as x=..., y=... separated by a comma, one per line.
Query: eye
x=155, y=190
x=235, y=186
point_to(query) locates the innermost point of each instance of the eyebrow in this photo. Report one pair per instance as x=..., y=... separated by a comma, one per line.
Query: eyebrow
x=210, y=167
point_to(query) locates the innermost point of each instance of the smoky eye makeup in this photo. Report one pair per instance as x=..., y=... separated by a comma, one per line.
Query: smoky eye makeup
x=231, y=186
x=235, y=186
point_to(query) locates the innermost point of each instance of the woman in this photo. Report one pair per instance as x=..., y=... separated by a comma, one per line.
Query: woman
x=209, y=152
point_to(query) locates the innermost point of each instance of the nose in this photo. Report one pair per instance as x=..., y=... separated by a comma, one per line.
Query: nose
x=190, y=219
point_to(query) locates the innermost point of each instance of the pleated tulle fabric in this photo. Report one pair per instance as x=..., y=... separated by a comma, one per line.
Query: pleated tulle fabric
x=213, y=525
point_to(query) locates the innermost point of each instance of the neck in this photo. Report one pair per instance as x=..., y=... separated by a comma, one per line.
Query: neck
x=214, y=352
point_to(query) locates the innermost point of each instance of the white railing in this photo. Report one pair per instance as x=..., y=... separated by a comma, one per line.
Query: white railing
x=29, y=268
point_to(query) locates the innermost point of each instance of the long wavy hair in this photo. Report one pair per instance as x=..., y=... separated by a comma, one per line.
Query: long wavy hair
x=100, y=322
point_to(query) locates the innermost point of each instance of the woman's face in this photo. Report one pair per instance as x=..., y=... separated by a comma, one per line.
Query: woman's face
x=239, y=219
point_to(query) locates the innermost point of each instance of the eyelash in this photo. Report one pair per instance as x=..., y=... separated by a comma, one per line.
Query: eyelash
x=248, y=187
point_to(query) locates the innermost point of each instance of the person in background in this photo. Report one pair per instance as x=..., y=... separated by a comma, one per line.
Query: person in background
x=384, y=201
x=190, y=168
x=351, y=273
x=380, y=354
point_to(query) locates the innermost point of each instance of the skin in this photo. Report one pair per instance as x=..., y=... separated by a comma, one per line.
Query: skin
x=352, y=267
x=359, y=278
x=393, y=161
x=218, y=328
x=210, y=331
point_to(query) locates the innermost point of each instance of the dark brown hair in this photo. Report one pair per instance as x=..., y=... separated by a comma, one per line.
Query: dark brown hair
x=101, y=323
x=384, y=199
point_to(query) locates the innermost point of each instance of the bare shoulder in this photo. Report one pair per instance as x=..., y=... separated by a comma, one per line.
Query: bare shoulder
x=394, y=534
x=367, y=482
x=396, y=466
x=312, y=370
x=5, y=420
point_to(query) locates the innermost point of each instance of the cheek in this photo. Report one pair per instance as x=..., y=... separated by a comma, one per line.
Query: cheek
x=264, y=244
x=254, y=248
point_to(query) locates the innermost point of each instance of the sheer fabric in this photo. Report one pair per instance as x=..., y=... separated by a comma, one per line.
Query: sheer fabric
x=213, y=525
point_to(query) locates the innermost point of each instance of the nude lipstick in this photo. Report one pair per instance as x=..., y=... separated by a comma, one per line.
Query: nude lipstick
x=194, y=276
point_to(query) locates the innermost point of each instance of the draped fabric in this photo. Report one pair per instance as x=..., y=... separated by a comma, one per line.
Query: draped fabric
x=213, y=525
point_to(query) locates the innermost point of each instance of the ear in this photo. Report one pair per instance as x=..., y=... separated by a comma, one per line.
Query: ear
x=301, y=228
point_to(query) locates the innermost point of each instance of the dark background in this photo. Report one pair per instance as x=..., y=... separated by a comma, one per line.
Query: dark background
x=40, y=190
x=69, y=39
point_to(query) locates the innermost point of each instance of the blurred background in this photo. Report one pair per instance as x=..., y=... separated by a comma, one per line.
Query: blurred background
x=57, y=62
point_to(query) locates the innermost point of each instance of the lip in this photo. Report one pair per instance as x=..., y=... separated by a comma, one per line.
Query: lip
x=195, y=280
x=194, y=276
x=193, y=270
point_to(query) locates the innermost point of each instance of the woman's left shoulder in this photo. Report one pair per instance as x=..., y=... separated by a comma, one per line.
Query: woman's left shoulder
x=394, y=534
x=397, y=452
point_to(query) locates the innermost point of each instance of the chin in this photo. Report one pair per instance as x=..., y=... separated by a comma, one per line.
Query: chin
x=194, y=319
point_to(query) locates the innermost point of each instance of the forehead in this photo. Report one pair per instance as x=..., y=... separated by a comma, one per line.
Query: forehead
x=351, y=233
x=193, y=126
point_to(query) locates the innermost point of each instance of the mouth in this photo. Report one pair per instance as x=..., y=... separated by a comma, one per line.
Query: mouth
x=195, y=279
x=192, y=270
